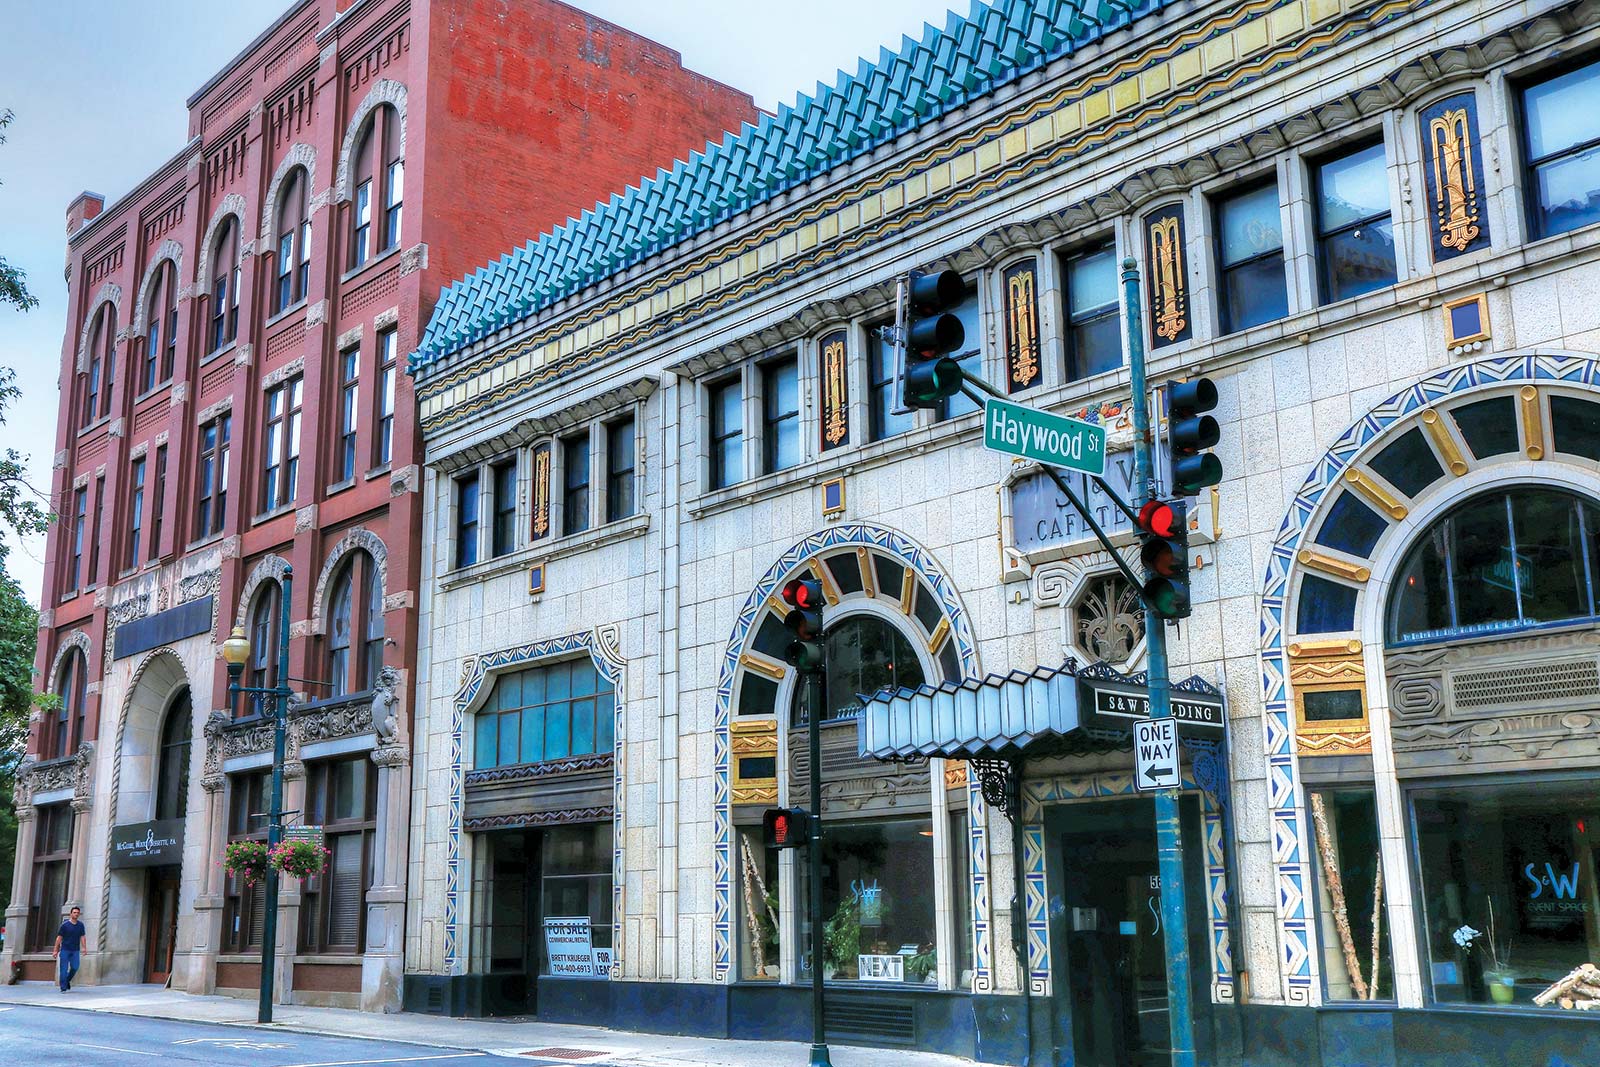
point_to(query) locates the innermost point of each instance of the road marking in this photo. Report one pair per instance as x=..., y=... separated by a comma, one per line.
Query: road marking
x=114, y=1048
x=236, y=1043
x=392, y=1059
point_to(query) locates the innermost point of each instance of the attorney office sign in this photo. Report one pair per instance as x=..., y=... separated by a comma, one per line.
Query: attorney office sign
x=147, y=844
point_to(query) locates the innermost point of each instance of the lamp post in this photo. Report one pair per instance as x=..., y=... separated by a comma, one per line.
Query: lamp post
x=236, y=653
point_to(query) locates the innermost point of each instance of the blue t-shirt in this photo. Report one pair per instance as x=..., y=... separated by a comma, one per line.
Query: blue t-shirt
x=71, y=935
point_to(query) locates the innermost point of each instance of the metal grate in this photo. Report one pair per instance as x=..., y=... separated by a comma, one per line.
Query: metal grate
x=879, y=1020
x=1539, y=682
x=436, y=999
x=566, y=1053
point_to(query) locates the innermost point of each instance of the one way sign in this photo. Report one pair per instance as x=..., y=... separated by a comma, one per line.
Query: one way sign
x=1155, y=749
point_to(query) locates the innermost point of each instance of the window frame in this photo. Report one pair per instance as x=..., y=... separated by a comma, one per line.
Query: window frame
x=383, y=401
x=1320, y=237
x=160, y=352
x=211, y=504
x=349, y=411
x=622, y=481
x=100, y=374
x=80, y=519
x=317, y=908
x=292, y=272
x=246, y=790
x=1528, y=166
x=503, y=517
x=718, y=477
x=1225, y=271
x=577, y=497
x=136, y=494
x=1064, y=259
x=280, y=443
x=158, y=507
x=224, y=286
x=42, y=925
x=467, y=531
x=378, y=187
x=265, y=628
x=774, y=421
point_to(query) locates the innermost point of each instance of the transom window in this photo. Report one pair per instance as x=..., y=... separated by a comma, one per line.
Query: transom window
x=866, y=653
x=546, y=713
x=1508, y=560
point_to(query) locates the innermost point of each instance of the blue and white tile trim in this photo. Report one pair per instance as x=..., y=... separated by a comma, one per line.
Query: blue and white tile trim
x=912, y=555
x=1037, y=792
x=1297, y=949
x=602, y=646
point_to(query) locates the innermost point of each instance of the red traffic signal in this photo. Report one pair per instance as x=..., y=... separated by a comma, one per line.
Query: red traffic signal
x=804, y=620
x=1164, y=551
x=804, y=593
x=786, y=827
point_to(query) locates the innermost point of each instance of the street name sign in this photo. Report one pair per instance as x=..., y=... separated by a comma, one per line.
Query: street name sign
x=1155, y=751
x=1017, y=430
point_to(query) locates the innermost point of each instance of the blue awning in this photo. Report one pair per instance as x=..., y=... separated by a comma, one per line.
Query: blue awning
x=996, y=716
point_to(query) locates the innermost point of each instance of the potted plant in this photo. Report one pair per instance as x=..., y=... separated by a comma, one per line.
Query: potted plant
x=1498, y=975
x=841, y=936
x=246, y=860
x=921, y=967
x=298, y=859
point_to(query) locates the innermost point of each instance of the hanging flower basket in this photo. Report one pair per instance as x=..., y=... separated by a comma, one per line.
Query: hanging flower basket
x=246, y=860
x=299, y=859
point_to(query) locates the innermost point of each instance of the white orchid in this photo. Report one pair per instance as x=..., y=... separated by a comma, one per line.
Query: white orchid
x=1465, y=936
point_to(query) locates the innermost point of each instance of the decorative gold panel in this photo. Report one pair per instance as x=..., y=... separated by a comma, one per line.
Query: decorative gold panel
x=1532, y=422
x=1444, y=442
x=1329, y=679
x=834, y=360
x=753, y=740
x=1023, y=369
x=1167, y=280
x=541, y=492
x=1363, y=484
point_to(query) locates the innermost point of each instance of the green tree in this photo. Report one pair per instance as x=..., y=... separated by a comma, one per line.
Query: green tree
x=13, y=282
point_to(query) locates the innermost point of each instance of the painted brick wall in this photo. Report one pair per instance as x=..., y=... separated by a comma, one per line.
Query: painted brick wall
x=537, y=111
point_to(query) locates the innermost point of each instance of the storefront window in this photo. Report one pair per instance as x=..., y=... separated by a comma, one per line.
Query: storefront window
x=1508, y=890
x=341, y=799
x=877, y=903
x=758, y=897
x=244, y=903
x=1502, y=561
x=961, y=896
x=52, y=858
x=1350, y=896
x=575, y=870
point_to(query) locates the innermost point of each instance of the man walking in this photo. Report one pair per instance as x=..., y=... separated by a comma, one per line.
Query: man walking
x=69, y=947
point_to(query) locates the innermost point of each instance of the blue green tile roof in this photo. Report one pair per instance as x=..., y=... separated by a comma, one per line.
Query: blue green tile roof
x=993, y=44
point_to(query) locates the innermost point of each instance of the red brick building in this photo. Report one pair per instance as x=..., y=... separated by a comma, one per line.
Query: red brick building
x=232, y=411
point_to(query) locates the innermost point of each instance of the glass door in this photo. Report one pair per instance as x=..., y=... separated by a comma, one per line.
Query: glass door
x=162, y=927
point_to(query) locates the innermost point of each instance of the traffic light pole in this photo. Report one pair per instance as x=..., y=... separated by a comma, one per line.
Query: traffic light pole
x=819, y=1037
x=1169, y=830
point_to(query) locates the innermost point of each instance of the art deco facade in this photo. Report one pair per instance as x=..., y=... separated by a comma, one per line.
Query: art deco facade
x=234, y=407
x=1373, y=225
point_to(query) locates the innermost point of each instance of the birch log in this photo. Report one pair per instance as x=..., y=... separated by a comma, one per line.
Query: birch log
x=1341, y=915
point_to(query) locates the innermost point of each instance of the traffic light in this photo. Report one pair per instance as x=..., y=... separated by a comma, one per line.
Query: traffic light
x=804, y=620
x=1164, y=550
x=1190, y=432
x=931, y=333
x=786, y=827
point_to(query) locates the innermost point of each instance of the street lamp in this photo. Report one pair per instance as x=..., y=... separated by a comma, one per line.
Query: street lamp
x=236, y=653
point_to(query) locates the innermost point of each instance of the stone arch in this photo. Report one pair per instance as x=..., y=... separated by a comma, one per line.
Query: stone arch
x=77, y=639
x=357, y=538
x=1295, y=555
x=270, y=568
x=169, y=250
x=300, y=155
x=157, y=680
x=232, y=205
x=954, y=631
x=109, y=293
x=386, y=91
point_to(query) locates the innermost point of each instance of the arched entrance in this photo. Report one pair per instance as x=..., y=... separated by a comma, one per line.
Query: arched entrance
x=144, y=888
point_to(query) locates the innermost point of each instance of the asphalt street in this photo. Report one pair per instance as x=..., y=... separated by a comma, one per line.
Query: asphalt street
x=54, y=1037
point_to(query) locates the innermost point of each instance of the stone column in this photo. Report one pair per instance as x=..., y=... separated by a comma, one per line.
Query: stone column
x=194, y=963
x=383, y=966
x=21, y=887
x=294, y=800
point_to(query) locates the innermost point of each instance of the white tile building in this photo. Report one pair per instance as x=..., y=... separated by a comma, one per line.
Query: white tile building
x=1368, y=224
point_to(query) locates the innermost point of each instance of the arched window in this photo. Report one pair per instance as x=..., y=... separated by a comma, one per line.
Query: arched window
x=355, y=627
x=1507, y=560
x=225, y=285
x=379, y=182
x=294, y=241
x=262, y=670
x=865, y=653
x=101, y=372
x=61, y=731
x=172, y=760
x=161, y=333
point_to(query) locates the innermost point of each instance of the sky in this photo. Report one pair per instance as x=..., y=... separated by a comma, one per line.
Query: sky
x=98, y=88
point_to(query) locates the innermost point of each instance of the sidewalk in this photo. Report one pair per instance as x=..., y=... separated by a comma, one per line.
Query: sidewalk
x=592, y=1045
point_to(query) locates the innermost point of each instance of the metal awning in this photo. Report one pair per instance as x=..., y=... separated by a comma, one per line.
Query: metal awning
x=976, y=718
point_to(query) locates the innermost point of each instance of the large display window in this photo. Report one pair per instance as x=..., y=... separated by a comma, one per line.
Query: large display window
x=1356, y=964
x=877, y=903
x=1508, y=890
